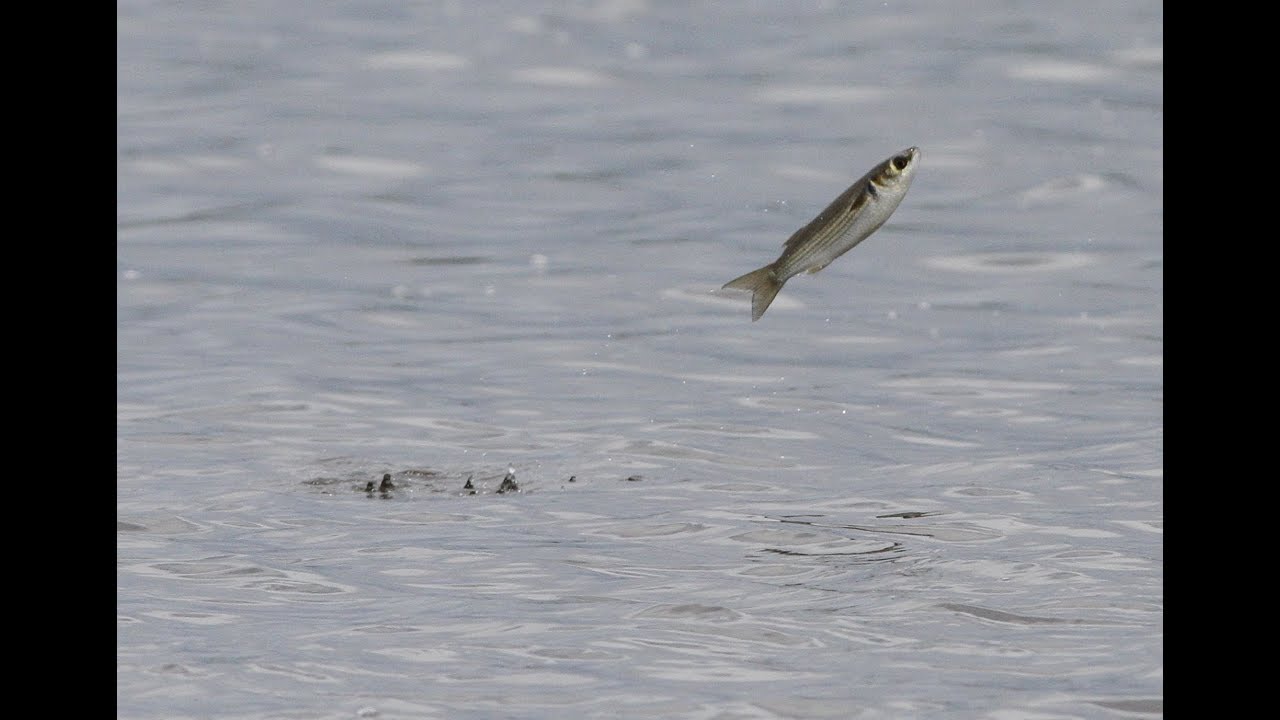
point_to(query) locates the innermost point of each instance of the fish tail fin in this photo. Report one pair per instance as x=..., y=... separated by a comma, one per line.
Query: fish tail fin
x=764, y=286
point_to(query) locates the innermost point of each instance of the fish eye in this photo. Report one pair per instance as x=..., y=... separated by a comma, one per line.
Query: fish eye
x=900, y=162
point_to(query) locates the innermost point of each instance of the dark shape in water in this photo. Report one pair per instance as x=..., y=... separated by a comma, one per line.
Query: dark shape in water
x=573, y=478
x=469, y=486
x=386, y=483
x=369, y=488
x=634, y=478
x=509, y=484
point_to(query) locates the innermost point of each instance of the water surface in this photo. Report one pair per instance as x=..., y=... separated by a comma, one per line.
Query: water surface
x=449, y=241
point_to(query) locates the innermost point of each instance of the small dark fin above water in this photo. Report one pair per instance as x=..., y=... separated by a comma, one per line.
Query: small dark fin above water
x=509, y=484
x=386, y=483
x=369, y=488
x=468, y=485
x=764, y=287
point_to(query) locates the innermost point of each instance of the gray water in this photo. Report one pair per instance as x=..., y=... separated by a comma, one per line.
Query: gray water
x=451, y=241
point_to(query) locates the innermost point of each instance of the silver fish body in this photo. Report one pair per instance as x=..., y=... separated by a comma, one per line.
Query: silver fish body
x=847, y=221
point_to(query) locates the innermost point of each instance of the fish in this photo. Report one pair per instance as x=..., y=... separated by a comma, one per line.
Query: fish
x=847, y=221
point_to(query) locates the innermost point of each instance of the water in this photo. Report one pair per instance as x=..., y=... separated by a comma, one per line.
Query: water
x=442, y=241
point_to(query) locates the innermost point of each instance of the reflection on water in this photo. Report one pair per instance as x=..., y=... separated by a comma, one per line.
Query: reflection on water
x=1010, y=262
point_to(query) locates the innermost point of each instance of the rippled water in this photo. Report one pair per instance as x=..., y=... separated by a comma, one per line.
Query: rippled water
x=449, y=242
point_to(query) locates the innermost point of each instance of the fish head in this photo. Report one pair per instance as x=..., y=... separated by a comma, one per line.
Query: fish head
x=888, y=181
x=900, y=169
